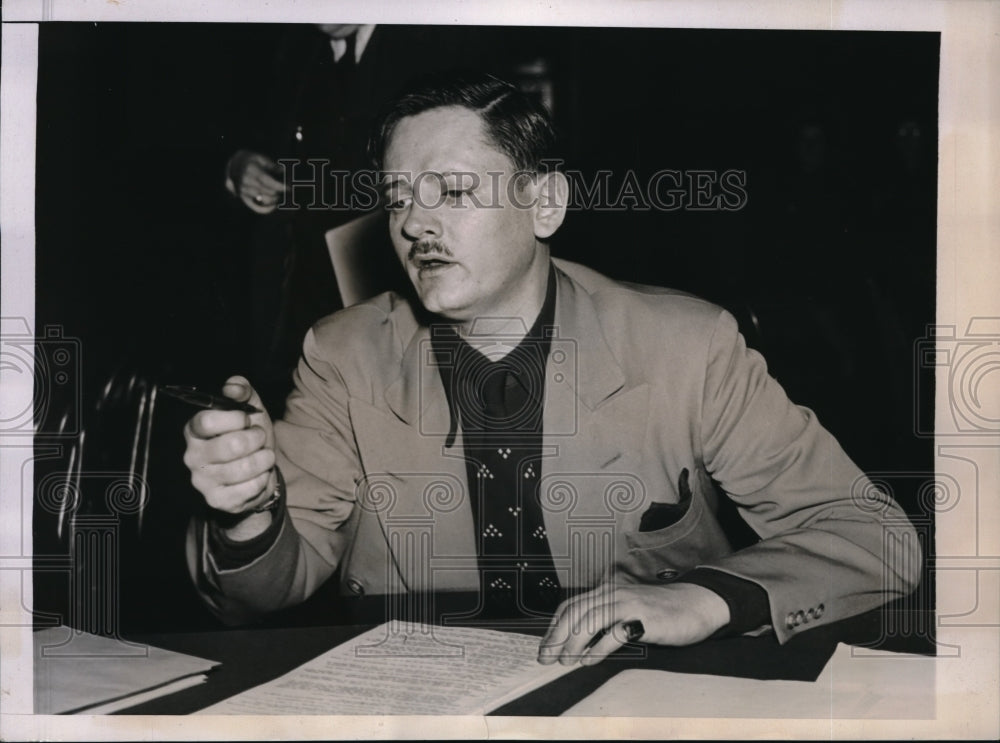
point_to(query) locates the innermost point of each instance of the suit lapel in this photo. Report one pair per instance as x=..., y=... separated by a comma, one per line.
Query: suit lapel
x=594, y=427
x=422, y=500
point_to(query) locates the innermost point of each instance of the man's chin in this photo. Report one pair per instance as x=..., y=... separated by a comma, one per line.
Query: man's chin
x=444, y=307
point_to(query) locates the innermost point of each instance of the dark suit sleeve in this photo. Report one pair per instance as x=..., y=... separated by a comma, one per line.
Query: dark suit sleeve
x=230, y=554
x=749, y=608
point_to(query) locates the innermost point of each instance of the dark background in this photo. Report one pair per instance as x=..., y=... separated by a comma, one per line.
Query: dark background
x=829, y=267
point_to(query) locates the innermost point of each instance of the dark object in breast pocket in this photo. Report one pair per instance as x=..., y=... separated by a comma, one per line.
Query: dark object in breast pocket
x=661, y=515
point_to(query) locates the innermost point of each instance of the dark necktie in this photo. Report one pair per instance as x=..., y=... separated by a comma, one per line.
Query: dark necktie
x=349, y=58
x=516, y=567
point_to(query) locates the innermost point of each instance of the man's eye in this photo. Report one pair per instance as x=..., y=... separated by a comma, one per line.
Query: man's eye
x=396, y=205
x=457, y=193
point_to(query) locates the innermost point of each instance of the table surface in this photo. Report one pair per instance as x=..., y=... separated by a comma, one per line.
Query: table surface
x=253, y=656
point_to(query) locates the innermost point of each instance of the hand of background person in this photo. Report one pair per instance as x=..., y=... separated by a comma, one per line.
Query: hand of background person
x=255, y=180
x=231, y=457
x=673, y=614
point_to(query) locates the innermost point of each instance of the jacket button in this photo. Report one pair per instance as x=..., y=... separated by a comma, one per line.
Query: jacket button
x=790, y=621
x=819, y=611
x=800, y=617
x=666, y=574
x=355, y=587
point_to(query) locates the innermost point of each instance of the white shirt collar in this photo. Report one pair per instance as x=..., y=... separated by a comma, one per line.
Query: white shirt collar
x=362, y=36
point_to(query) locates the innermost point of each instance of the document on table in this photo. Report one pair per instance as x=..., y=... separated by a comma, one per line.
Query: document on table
x=405, y=669
x=855, y=684
x=77, y=672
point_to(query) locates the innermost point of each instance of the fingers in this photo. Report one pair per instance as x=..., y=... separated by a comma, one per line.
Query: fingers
x=258, y=199
x=261, y=176
x=231, y=454
x=261, y=192
x=256, y=169
x=238, y=498
x=229, y=469
x=238, y=388
x=210, y=442
x=242, y=470
x=250, y=203
x=575, y=626
x=589, y=627
x=225, y=488
x=209, y=423
x=607, y=643
x=257, y=181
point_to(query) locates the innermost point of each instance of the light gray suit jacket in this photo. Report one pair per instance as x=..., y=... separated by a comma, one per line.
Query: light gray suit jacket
x=641, y=383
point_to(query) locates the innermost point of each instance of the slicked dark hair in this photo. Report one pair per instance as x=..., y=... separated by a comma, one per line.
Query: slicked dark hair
x=515, y=123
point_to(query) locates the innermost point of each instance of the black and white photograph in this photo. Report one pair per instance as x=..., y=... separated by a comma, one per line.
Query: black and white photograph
x=526, y=372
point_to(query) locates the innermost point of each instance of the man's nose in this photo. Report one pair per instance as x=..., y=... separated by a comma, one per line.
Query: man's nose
x=421, y=222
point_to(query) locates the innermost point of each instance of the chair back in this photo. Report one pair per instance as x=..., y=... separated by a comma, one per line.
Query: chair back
x=363, y=259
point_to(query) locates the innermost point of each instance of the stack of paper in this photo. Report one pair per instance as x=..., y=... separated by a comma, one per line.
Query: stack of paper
x=77, y=672
x=405, y=669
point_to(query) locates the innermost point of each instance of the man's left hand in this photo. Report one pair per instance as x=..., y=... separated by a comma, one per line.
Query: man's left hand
x=674, y=614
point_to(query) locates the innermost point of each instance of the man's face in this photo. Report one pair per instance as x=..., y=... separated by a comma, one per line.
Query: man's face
x=459, y=221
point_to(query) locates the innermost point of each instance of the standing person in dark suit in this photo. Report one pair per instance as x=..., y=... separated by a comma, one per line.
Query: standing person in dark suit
x=305, y=144
x=313, y=108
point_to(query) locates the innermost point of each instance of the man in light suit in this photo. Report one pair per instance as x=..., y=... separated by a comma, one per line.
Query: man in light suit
x=526, y=426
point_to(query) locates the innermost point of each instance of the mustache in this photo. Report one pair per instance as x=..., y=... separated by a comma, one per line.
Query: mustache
x=429, y=247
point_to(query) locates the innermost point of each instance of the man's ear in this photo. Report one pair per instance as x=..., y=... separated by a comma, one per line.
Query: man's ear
x=552, y=197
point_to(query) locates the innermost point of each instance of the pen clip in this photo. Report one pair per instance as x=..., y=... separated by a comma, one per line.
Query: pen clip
x=202, y=399
x=188, y=394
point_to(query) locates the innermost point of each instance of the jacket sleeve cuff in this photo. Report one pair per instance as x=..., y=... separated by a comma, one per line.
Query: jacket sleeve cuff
x=749, y=608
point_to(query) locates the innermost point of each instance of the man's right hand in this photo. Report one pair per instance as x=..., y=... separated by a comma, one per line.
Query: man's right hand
x=231, y=458
x=253, y=178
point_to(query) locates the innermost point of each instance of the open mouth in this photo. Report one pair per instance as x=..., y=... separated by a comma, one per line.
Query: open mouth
x=430, y=263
